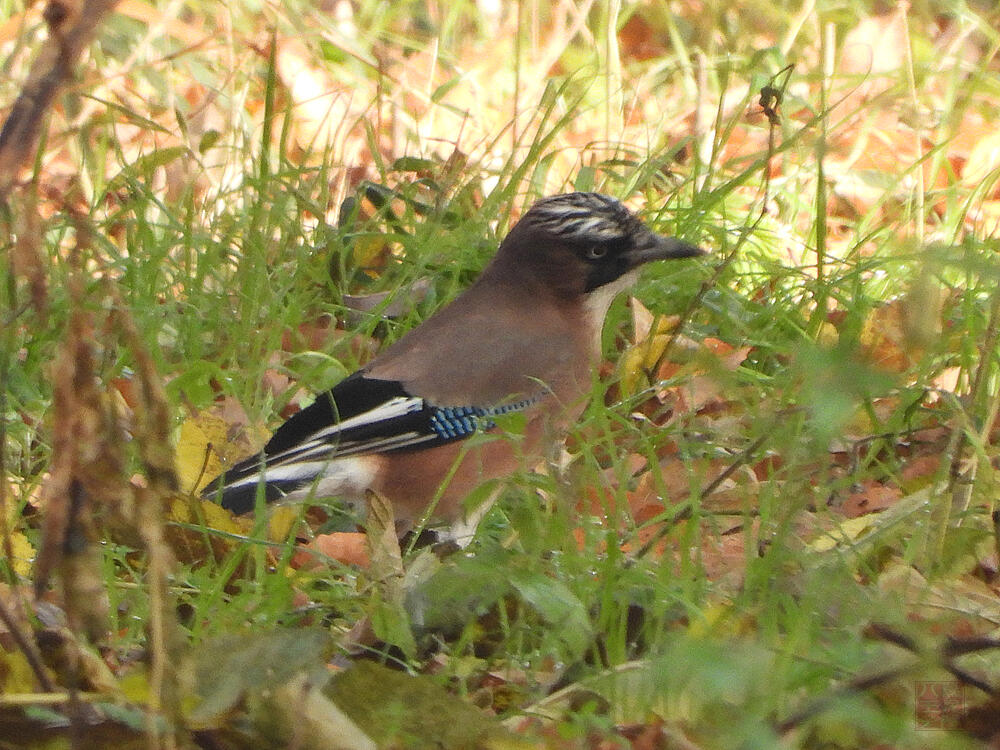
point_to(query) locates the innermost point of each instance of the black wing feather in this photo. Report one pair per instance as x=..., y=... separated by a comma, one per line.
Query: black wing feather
x=358, y=416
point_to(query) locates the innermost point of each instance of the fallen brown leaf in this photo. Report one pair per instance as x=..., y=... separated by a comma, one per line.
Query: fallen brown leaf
x=872, y=498
x=347, y=547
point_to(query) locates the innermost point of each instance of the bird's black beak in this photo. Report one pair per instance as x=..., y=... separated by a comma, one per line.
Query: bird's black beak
x=656, y=247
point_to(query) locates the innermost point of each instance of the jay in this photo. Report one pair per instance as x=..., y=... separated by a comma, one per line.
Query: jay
x=524, y=337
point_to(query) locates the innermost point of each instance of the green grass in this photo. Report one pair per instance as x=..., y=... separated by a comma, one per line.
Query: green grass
x=224, y=228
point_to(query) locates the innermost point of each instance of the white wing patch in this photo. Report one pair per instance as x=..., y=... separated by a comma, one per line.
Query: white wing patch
x=323, y=440
x=337, y=476
x=395, y=407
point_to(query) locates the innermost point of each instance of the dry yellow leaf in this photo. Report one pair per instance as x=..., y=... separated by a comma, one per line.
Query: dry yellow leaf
x=23, y=553
x=203, y=512
x=846, y=532
x=631, y=368
x=197, y=460
x=16, y=675
x=281, y=520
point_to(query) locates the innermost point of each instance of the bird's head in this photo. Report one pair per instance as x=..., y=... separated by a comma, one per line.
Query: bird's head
x=578, y=243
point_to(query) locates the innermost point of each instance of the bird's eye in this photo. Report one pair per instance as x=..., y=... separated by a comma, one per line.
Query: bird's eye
x=596, y=252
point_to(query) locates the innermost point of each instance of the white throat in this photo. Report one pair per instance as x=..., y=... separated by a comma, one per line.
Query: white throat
x=599, y=300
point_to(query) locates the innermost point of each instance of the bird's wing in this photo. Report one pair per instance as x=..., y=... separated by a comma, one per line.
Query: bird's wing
x=359, y=416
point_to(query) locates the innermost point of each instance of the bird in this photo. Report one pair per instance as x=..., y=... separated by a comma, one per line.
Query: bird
x=524, y=339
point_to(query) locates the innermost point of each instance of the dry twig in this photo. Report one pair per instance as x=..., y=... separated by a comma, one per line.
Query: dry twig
x=72, y=25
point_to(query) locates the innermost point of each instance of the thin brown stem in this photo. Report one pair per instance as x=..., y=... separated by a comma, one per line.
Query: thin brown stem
x=71, y=28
